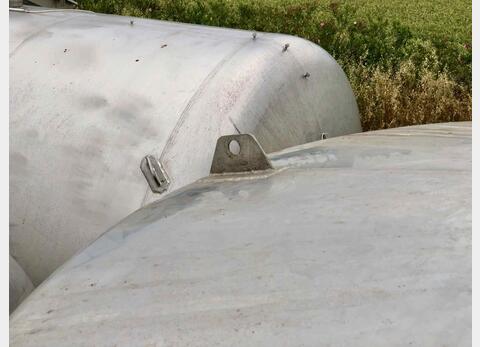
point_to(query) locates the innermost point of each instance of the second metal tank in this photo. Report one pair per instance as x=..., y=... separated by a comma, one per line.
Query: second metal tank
x=361, y=240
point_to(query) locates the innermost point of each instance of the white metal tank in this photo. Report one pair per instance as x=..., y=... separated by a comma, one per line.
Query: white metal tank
x=361, y=240
x=91, y=95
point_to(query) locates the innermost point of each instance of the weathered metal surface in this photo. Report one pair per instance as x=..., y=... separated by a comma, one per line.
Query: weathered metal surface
x=361, y=240
x=238, y=153
x=20, y=286
x=90, y=95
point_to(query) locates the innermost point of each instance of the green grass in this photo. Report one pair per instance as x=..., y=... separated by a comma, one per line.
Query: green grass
x=396, y=53
x=450, y=19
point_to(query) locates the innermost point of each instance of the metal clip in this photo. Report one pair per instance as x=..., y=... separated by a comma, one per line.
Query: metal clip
x=155, y=174
x=239, y=153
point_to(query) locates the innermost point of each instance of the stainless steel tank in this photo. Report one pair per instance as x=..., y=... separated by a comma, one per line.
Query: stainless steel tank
x=361, y=240
x=91, y=95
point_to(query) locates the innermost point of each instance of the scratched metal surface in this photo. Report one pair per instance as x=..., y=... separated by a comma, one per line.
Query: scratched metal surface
x=362, y=240
x=91, y=94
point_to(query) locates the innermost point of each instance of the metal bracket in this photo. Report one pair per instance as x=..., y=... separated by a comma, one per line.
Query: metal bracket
x=239, y=153
x=155, y=174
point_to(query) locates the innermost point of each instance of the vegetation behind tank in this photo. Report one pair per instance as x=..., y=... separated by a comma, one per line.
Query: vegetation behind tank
x=408, y=62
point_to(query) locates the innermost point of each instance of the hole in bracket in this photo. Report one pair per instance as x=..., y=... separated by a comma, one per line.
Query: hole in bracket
x=239, y=153
x=234, y=147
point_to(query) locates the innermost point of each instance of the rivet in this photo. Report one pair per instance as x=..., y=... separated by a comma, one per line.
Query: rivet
x=306, y=75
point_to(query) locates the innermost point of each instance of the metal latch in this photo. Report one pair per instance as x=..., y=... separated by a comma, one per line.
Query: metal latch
x=155, y=174
x=239, y=153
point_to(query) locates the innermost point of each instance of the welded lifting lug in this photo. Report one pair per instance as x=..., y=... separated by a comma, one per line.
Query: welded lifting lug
x=155, y=174
x=239, y=153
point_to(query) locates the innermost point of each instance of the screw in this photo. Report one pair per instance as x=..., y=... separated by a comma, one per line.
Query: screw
x=306, y=75
x=254, y=36
x=285, y=47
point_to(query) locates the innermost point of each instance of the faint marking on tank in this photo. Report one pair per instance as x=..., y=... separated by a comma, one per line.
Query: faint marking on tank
x=42, y=31
x=186, y=111
x=18, y=164
x=93, y=102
